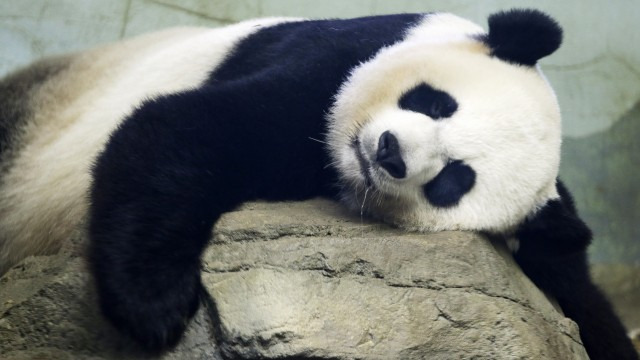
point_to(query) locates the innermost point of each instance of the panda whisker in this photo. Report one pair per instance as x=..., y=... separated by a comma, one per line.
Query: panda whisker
x=330, y=164
x=364, y=200
x=320, y=141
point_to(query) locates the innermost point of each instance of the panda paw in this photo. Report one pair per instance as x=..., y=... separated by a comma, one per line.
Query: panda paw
x=154, y=317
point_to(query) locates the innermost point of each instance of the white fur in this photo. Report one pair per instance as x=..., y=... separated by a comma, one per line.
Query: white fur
x=506, y=127
x=43, y=196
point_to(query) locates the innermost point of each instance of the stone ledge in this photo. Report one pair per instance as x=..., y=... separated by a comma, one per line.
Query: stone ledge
x=307, y=280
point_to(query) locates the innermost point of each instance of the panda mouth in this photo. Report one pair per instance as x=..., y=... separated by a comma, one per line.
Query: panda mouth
x=362, y=161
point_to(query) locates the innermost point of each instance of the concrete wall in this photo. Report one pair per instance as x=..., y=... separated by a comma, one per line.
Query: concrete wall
x=596, y=74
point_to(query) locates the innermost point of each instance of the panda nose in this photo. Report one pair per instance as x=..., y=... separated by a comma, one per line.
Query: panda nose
x=388, y=155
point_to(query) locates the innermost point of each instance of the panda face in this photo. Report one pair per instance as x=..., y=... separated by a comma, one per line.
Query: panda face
x=436, y=134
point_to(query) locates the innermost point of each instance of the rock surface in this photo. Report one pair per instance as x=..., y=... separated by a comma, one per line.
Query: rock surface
x=306, y=280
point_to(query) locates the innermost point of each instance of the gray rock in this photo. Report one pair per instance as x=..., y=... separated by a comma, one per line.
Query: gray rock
x=48, y=310
x=298, y=280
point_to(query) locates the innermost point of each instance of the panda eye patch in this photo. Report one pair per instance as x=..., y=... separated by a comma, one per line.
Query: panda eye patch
x=424, y=99
x=436, y=109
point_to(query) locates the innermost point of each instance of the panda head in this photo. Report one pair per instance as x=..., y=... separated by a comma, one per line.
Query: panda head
x=453, y=128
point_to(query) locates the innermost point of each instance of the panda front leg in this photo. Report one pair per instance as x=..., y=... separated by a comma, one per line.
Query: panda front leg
x=164, y=178
x=153, y=203
x=144, y=255
x=553, y=253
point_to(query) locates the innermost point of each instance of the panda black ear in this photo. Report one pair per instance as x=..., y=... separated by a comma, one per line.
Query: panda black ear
x=523, y=36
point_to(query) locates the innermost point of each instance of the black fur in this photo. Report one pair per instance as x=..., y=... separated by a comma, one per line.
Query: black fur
x=450, y=185
x=523, y=36
x=180, y=161
x=553, y=254
x=424, y=99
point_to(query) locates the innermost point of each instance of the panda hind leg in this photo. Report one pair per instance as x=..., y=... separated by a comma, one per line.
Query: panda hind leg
x=553, y=254
x=567, y=279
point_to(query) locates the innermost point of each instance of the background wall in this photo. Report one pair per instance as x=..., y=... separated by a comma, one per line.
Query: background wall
x=596, y=74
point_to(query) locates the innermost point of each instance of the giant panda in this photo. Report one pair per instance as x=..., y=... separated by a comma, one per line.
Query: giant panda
x=424, y=121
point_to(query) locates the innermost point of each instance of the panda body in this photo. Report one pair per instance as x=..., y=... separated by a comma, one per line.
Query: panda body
x=425, y=121
x=73, y=104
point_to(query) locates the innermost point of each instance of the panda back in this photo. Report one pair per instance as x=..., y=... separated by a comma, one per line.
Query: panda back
x=57, y=115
